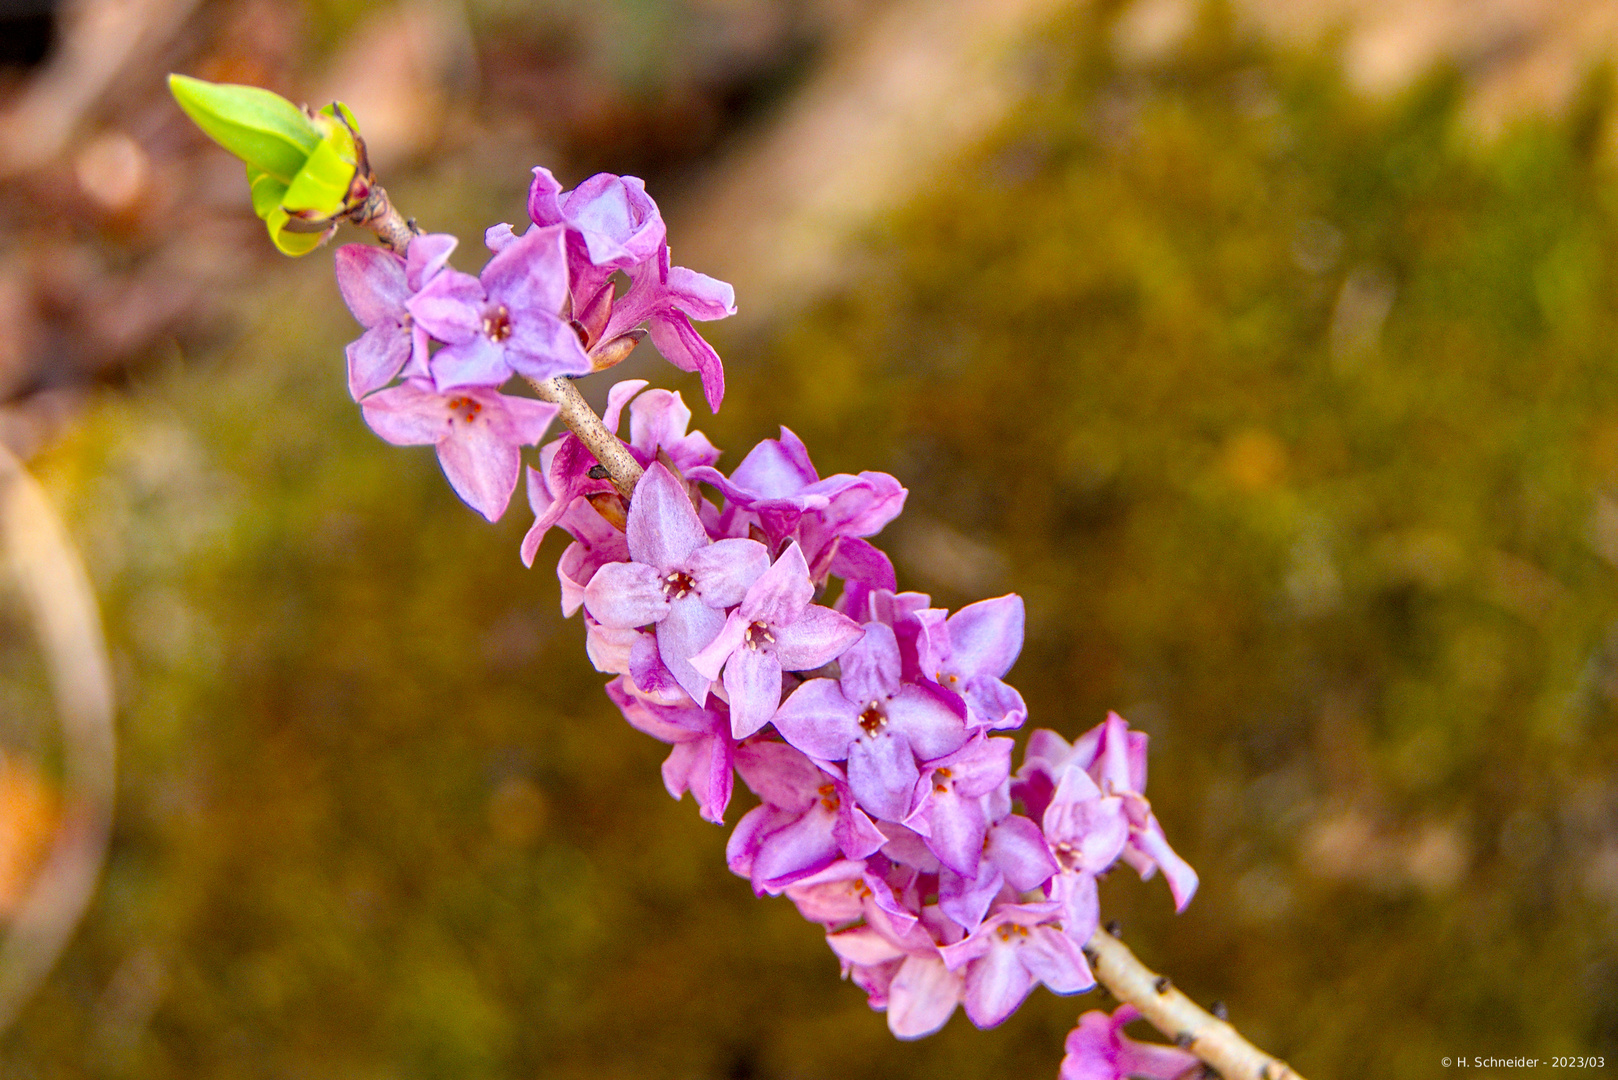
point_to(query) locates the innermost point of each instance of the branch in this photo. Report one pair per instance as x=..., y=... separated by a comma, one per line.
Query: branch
x=582, y=421
x=1177, y=1016
x=1170, y=1011
x=377, y=213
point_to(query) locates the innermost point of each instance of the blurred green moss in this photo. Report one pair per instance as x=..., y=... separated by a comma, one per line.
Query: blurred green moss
x=1293, y=418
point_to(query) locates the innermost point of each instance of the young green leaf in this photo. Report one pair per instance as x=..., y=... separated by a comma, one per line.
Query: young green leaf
x=268, y=132
x=321, y=187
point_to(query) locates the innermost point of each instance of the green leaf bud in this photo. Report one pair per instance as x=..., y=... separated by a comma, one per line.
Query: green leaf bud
x=265, y=130
x=321, y=188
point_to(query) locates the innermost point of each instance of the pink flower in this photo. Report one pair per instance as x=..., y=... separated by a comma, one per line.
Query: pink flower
x=775, y=629
x=1018, y=946
x=477, y=432
x=1098, y=1049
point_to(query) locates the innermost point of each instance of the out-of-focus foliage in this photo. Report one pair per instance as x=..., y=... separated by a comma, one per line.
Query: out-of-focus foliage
x=1296, y=423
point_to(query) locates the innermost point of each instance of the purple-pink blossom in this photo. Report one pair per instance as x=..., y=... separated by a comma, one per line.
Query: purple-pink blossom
x=377, y=286
x=1017, y=947
x=477, y=432
x=1098, y=1049
x=948, y=808
x=505, y=321
x=1094, y=808
x=612, y=224
x=677, y=579
x=806, y=822
x=774, y=629
x=777, y=489
x=877, y=723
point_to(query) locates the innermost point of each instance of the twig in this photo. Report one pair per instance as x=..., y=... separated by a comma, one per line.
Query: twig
x=582, y=421
x=1177, y=1016
x=378, y=214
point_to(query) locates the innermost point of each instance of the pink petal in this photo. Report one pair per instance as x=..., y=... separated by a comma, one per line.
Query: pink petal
x=410, y=414
x=922, y=997
x=882, y=773
x=688, y=626
x=372, y=281
x=449, y=307
x=686, y=349
x=724, y=570
x=426, y=256
x=816, y=637
x=617, y=398
x=995, y=985
x=376, y=358
x=481, y=467
x=986, y=637
x=625, y=595
x=711, y=658
x=753, y=683
x=1018, y=848
x=819, y=720
x=663, y=527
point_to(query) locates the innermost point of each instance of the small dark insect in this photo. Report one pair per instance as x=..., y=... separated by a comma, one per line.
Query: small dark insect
x=1219, y=1010
x=1184, y=1040
x=1162, y=984
x=1115, y=928
x=598, y=472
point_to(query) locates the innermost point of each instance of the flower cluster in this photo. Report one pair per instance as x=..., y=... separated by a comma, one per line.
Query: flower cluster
x=870, y=729
x=873, y=729
x=546, y=304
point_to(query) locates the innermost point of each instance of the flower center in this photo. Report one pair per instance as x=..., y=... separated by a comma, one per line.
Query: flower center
x=940, y=780
x=464, y=409
x=679, y=585
x=497, y=324
x=1010, y=931
x=758, y=635
x=872, y=719
x=1067, y=856
x=828, y=796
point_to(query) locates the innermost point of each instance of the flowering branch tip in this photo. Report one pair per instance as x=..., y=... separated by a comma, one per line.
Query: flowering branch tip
x=872, y=730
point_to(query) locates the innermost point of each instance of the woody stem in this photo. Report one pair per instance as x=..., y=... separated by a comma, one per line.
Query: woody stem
x=1177, y=1016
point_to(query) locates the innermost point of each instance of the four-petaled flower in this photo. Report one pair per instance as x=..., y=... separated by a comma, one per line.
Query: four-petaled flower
x=875, y=722
x=949, y=812
x=477, y=432
x=678, y=579
x=505, y=321
x=806, y=822
x=1016, y=947
x=775, y=629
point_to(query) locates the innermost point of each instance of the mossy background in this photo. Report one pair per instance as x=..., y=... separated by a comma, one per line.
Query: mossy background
x=1293, y=418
